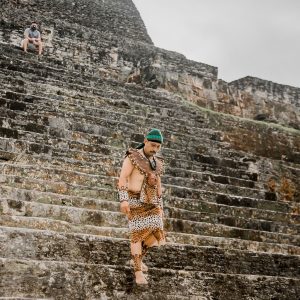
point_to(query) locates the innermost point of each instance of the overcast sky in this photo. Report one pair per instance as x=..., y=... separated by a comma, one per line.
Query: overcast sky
x=260, y=38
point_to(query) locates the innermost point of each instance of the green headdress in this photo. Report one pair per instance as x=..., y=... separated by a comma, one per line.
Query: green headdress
x=154, y=135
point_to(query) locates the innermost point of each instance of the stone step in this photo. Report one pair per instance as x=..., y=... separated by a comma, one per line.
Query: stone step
x=238, y=207
x=179, y=186
x=73, y=215
x=109, y=203
x=77, y=101
x=198, y=177
x=204, y=211
x=102, y=108
x=133, y=88
x=99, y=218
x=16, y=55
x=42, y=116
x=95, y=140
x=57, y=187
x=68, y=280
x=209, y=229
x=58, y=175
x=15, y=205
x=234, y=153
x=38, y=223
x=230, y=243
x=51, y=246
x=13, y=96
x=113, y=90
x=24, y=298
x=93, y=128
x=90, y=181
x=111, y=165
x=232, y=221
x=30, y=67
x=39, y=142
x=80, y=153
x=213, y=165
x=109, y=173
x=60, y=226
x=209, y=208
x=228, y=195
x=88, y=126
x=196, y=129
x=184, y=198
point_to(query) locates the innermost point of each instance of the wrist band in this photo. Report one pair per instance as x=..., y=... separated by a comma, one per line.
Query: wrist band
x=160, y=202
x=123, y=194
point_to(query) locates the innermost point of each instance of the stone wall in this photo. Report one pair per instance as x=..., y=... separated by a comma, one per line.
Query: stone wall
x=259, y=99
x=120, y=49
x=109, y=39
x=231, y=185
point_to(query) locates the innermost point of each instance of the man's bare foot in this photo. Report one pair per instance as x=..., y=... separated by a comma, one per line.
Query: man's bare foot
x=140, y=278
x=144, y=267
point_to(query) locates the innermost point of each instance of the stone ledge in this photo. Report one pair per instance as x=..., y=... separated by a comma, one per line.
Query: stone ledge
x=112, y=204
x=180, y=193
x=81, y=217
x=173, y=187
x=108, y=214
x=79, y=281
x=70, y=248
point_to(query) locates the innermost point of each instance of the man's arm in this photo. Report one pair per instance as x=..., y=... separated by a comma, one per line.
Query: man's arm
x=159, y=188
x=126, y=171
x=159, y=193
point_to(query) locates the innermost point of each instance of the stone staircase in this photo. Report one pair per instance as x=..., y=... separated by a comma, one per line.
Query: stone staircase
x=63, y=136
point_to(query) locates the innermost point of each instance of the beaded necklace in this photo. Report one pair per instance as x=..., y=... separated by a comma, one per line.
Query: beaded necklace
x=152, y=163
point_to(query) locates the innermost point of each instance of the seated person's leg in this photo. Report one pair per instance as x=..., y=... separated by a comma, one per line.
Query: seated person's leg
x=24, y=44
x=40, y=45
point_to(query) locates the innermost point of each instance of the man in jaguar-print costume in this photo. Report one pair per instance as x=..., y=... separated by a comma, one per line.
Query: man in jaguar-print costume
x=140, y=194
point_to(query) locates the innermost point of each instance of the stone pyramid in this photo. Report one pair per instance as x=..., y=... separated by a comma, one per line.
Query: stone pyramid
x=232, y=151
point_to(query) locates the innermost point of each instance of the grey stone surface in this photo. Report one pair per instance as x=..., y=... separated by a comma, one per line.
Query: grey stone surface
x=231, y=186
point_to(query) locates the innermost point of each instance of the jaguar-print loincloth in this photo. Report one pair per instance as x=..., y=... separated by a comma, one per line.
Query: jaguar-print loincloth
x=144, y=219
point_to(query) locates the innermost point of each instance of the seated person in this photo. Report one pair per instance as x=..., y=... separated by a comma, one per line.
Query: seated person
x=32, y=36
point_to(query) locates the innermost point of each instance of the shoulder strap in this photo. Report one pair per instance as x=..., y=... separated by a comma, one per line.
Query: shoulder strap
x=138, y=160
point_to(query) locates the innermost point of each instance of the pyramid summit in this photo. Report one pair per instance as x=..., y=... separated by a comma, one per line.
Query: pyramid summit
x=118, y=18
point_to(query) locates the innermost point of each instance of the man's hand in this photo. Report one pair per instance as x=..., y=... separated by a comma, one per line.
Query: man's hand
x=124, y=207
x=161, y=213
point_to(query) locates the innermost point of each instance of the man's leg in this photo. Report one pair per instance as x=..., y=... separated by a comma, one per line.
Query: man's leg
x=151, y=241
x=154, y=239
x=136, y=252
